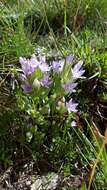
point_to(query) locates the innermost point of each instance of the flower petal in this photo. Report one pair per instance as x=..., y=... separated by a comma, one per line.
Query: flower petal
x=69, y=87
x=27, y=87
x=69, y=58
x=71, y=106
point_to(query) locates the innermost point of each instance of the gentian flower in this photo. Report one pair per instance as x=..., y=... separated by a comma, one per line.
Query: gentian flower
x=42, y=59
x=69, y=58
x=71, y=106
x=69, y=87
x=57, y=66
x=46, y=81
x=44, y=67
x=28, y=65
x=22, y=77
x=77, y=71
x=27, y=87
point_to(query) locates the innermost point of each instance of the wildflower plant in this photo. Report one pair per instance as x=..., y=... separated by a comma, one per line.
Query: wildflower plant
x=48, y=85
x=56, y=77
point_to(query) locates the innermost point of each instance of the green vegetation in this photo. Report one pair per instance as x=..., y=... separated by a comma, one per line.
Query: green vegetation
x=66, y=143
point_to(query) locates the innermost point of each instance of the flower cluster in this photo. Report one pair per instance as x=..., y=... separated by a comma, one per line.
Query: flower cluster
x=57, y=76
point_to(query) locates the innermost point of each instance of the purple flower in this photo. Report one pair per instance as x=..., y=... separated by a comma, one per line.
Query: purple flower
x=22, y=77
x=71, y=106
x=57, y=66
x=27, y=87
x=42, y=59
x=69, y=87
x=28, y=65
x=46, y=81
x=69, y=58
x=77, y=71
x=44, y=67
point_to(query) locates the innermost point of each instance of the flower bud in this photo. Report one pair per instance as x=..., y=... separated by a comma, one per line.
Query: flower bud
x=36, y=84
x=61, y=104
x=53, y=96
x=29, y=136
x=63, y=99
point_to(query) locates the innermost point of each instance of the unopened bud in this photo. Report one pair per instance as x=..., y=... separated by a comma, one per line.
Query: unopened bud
x=36, y=84
x=63, y=99
x=53, y=96
x=61, y=104
x=29, y=136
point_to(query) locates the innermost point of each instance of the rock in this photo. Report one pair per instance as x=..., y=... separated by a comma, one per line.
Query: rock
x=48, y=182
